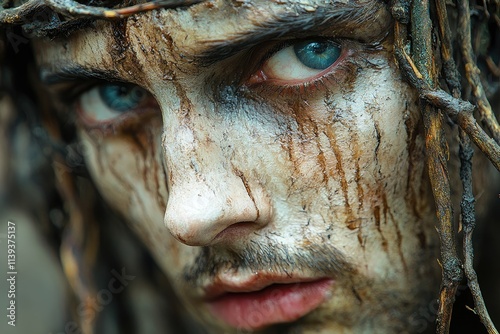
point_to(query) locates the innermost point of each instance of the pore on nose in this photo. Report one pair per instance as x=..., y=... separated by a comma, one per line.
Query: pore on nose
x=198, y=213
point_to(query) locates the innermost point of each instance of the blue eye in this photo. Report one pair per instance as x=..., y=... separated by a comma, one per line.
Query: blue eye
x=300, y=62
x=110, y=101
x=318, y=55
x=121, y=97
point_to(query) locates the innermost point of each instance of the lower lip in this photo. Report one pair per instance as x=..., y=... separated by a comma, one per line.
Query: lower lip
x=275, y=304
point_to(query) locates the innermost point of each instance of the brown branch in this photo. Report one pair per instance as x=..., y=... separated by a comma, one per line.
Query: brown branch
x=494, y=68
x=462, y=112
x=457, y=109
x=469, y=223
x=436, y=148
x=76, y=9
x=472, y=71
x=71, y=8
x=450, y=71
x=466, y=152
x=438, y=173
x=420, y=68
x=467, y=203
x=18, y=14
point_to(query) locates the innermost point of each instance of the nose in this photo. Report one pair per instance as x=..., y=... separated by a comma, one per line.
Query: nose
x=209, y=202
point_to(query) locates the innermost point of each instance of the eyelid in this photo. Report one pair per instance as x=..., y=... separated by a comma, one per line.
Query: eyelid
x=69, y=93
x=273, y=47
x=348, y=49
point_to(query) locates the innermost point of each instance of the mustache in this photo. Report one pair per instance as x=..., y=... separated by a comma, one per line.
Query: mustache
x=319, y=259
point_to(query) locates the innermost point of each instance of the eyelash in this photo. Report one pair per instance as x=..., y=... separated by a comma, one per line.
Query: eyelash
x=334, y=76
x=70, y=93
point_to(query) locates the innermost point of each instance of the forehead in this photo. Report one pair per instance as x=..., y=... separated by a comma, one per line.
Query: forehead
x=203, y=25
x=209, y=31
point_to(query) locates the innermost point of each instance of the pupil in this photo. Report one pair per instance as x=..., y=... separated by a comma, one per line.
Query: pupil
x=120, y=97
x=317, y=55
x=318, y=48
x=123, y=91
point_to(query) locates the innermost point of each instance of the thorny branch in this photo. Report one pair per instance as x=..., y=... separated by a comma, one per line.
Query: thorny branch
x=436, y=148
x=465, y=153
x=469, y=223
x=461, y=112
x=73, y=8
x=418, y=68
x=472, y=71
x=16, y=15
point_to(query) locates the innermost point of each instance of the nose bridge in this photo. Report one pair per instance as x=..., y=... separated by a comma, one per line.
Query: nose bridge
x=207, y=194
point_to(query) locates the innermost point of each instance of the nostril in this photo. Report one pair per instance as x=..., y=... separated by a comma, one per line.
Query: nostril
x=202, y=212
x=236, y=231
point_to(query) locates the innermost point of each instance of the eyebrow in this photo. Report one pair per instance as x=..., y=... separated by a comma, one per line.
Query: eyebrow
x=336, y=16
x=76, y=72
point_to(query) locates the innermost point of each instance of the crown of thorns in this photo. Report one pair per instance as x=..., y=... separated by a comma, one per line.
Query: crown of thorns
x=41, y=17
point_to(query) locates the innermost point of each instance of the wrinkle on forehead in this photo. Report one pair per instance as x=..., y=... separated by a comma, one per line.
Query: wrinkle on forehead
x=189, y=32
x=273, y=19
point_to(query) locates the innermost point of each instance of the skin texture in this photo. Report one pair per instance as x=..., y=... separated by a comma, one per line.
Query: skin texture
x=227, y=174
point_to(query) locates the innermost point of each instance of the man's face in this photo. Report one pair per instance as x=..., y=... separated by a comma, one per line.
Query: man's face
x=269, y=155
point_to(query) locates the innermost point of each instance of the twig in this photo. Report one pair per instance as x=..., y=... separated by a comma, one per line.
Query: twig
x=494, y=68
x=469, y=223
x=461, y=112
x=467, y=206
x=436, y=148
x=423, y=76
x=76, y=9
x=18, y=14
x=450, y=71
x=472, y=71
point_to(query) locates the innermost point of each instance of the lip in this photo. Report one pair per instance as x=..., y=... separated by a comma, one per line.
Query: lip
x=263, y=300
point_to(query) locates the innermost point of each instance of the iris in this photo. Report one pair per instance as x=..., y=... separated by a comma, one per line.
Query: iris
x=121, y=97
x=318, y=55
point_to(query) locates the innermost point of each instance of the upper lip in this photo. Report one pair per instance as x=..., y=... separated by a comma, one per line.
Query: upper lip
x=257, y=281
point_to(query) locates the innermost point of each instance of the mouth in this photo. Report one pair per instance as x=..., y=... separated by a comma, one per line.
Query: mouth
x=265, y=301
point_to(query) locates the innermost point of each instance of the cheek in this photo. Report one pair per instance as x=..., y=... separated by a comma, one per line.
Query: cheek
x=129, y=175
x=349, y=142
x=358, y=158
x=346, y=155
